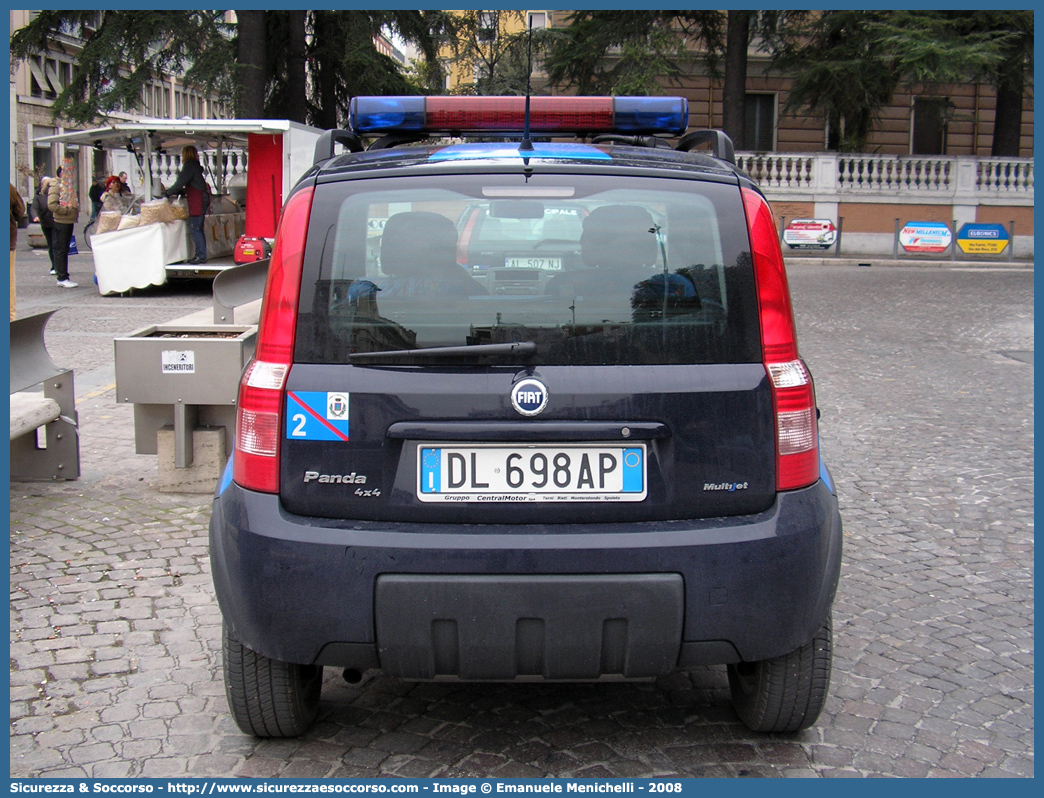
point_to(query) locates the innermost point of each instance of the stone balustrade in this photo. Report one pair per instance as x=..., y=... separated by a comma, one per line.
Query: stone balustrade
x=837, y=177
x=166, y=166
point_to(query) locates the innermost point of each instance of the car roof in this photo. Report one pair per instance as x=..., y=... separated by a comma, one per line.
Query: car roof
x=503, y=155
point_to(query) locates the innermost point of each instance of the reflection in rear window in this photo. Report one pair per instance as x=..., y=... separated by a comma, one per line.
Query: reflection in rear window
x=593, y=270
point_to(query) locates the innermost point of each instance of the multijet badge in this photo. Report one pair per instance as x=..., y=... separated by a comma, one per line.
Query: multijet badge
x=529, y=397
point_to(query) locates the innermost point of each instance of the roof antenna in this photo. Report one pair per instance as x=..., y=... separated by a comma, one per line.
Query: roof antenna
x=527, y=142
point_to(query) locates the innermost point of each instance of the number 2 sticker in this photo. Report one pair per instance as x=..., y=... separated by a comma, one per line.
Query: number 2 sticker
x=317, y=415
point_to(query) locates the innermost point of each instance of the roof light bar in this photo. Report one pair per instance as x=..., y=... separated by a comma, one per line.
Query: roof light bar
x=548, y=115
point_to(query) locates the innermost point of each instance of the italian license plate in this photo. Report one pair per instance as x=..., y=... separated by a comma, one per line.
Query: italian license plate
x=547, y=264
x=525, y=473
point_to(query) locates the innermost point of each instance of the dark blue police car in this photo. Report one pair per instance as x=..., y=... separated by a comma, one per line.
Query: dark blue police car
x=579, y=445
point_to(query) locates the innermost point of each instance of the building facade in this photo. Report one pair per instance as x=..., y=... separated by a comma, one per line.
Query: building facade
x=953, y=120
x=36, y=83
x=948, y=120
x=493, y=30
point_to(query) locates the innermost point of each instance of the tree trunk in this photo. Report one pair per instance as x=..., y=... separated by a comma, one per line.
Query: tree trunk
x=324, y=70
x=250, y=55
x=1007, y=119
x=735, y=91
x=434, y=73
x=297, y=100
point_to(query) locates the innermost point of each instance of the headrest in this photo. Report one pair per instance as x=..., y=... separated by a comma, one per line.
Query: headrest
x=417, y=241
x=618, y=236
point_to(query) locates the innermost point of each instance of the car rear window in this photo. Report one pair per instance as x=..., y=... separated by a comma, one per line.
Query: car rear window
x=590, y=269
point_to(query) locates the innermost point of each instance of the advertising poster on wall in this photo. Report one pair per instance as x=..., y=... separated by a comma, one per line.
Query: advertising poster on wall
x=810, y=234
x=925, y=237
x=983, y=239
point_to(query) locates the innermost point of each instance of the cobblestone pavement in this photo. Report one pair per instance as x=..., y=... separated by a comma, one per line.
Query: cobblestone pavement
x=927, y=423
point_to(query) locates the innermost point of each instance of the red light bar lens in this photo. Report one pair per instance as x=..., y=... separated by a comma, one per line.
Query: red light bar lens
x=546, y=114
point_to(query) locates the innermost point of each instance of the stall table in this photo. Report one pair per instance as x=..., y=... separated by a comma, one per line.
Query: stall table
x=140, y=256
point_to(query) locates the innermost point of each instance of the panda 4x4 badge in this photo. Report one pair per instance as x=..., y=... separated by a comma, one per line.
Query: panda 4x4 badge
x=529, y=397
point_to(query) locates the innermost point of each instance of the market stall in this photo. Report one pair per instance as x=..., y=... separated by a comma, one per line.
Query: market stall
x=132, y=252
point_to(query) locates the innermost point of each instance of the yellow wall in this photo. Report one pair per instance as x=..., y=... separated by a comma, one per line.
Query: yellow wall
x=462, y=73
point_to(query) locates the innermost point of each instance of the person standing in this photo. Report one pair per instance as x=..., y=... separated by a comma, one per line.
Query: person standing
x=64, y=206
x=43, y=215
x=193, y=185
x=114, y=198
x=17, y=212
x=95, y=194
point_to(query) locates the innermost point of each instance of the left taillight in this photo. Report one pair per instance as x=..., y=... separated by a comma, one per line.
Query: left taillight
x=255, y=462
x=793, y=397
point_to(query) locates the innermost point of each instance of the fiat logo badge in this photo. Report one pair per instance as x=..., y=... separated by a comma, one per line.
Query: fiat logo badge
x=529, y=397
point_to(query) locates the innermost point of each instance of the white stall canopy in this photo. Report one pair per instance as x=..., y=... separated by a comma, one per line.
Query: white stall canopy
x=146, y=137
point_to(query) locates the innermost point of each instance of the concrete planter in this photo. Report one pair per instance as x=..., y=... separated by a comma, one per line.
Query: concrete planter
x=183, y=380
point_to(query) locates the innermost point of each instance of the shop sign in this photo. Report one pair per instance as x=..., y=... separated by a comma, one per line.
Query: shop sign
x=983, y=239
x=925, y=237
x=810, y=234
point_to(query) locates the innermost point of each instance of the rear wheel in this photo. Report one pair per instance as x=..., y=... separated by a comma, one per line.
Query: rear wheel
x=787, y=693
x=269, y=698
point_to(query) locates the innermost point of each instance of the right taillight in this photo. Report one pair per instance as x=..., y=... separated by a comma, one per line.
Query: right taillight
x=793, y=398
x=255, y=461
x=797, y=443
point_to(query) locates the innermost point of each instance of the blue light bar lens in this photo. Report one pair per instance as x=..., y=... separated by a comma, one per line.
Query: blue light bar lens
x=386, y=114
x=651, y=114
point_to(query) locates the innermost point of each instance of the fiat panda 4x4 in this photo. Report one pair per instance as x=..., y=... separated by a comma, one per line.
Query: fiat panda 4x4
x=525, y=409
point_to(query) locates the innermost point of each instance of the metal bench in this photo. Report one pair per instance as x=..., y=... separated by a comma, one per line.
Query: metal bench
x=45, y=440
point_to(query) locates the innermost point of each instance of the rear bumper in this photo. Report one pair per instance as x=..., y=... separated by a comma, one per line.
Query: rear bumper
x=362, y=594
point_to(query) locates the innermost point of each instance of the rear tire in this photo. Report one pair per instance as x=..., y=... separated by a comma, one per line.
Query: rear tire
x=787, y=693
x=269, y=698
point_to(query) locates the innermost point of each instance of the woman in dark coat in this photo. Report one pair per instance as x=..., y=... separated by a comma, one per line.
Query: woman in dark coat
x=193, y=185
x=43, y=215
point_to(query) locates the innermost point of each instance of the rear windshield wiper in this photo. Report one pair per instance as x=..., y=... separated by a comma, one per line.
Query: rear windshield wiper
x=518, y=348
